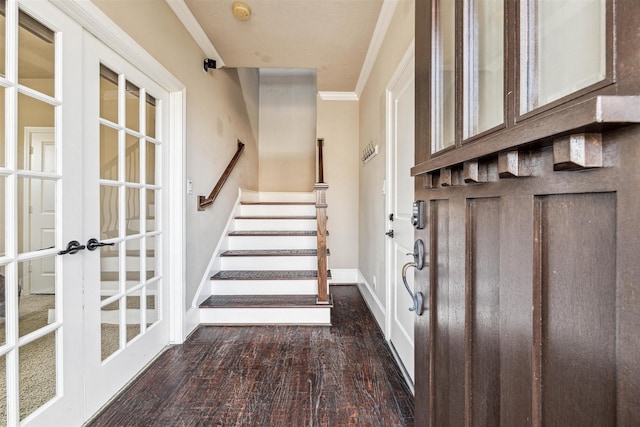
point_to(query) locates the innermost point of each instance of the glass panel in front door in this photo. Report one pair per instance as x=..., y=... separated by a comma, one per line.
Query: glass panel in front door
x=553, y=62
x=443, y=85
x=129, y=189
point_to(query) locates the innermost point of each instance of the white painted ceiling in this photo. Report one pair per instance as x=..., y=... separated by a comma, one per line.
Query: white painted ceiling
x=331, y=36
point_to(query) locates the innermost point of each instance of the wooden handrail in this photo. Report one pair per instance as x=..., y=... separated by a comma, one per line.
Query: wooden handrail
x=321, y=214
x=203, y=202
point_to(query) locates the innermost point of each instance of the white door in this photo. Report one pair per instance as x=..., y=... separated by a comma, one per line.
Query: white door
x=125, y=295
x=40, y=360
x=40, y=154
x=102, y=315
x=400, y=158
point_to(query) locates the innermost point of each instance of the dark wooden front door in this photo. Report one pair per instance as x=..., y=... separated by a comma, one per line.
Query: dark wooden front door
x=534, y=298
x=534, y=278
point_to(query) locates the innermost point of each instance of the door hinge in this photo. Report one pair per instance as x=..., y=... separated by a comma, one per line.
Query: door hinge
x=31, y=150
x=30, y=209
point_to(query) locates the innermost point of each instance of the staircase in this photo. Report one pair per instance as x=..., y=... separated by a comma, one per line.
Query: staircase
x=268, y=269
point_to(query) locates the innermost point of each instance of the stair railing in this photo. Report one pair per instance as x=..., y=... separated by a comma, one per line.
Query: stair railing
x=109, y=193
x=321, y=214
x=203, y=202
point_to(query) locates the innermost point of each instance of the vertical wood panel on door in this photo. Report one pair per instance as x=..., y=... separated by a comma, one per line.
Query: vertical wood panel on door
x=482, y=376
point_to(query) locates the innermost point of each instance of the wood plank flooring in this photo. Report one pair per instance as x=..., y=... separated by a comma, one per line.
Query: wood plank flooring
x=273, y=376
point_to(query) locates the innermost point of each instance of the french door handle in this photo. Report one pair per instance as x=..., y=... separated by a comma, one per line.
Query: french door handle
x=93, y=244
x=73, y=247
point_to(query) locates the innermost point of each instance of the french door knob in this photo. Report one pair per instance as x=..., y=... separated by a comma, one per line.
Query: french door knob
x=73, y=247
x=93, y=244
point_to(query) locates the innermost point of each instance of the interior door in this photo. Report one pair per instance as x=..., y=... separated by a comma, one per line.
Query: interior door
x=40, y=361
x=125, y=297
x=40, y=152
x=399, y=207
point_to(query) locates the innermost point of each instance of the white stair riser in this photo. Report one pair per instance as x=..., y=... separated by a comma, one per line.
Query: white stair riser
x=274, y=196
x=248, y=263
x=134, y=224
x=276, y=224
x=272, y=242
x=266, y=316
x=277, y=210
x=264, y=287
x=133, y=263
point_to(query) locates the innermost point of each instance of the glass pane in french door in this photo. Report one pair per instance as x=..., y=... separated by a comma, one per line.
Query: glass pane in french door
x=128, y=193
x=36, y=146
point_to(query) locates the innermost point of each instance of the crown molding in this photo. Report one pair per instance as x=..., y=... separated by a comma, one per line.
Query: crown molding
x=382, y=25
x=338, y=96
x=192, y=25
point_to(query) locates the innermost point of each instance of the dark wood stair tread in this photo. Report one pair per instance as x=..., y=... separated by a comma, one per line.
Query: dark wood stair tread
x=274, y=233
x=113, y=254
x=272, y=252
x=267, y=275
x=278, y=203
x=264, y=301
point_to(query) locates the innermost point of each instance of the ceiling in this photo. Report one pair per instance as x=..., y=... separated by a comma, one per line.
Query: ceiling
x=331, y=36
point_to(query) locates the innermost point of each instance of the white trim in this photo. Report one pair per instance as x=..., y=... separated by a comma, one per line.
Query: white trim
x=402, y=65
x=382, y=25
x=96, y=22
x=338, y=96
x=371, y=299
x=192, y=25
x=390, y=158
x=177, y=213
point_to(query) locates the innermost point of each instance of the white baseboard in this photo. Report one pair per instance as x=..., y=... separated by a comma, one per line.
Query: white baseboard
x=375, y=305
x=191, y=320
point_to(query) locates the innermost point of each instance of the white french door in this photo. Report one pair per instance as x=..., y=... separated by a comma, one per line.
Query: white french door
x=41, y=196
x=98, y=311
x=400, y=152
x=125, y=299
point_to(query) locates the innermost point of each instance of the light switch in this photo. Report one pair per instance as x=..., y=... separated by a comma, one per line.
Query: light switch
x=189, y=187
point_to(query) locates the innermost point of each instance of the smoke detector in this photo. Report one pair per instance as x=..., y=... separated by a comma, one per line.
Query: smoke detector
x=241, y=10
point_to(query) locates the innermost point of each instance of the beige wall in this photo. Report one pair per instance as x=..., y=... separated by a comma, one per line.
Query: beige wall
x=372, y=221
x=219, y=110
x=338, y=125
x=287, y=129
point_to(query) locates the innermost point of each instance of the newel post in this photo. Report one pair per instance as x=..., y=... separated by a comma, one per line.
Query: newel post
x=321, y=214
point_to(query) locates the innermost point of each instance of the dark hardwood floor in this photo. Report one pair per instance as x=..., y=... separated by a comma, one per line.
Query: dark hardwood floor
x=273, y=376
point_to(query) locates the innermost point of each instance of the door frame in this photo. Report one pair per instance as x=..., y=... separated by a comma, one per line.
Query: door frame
x=408, y=56
x=96, y=22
